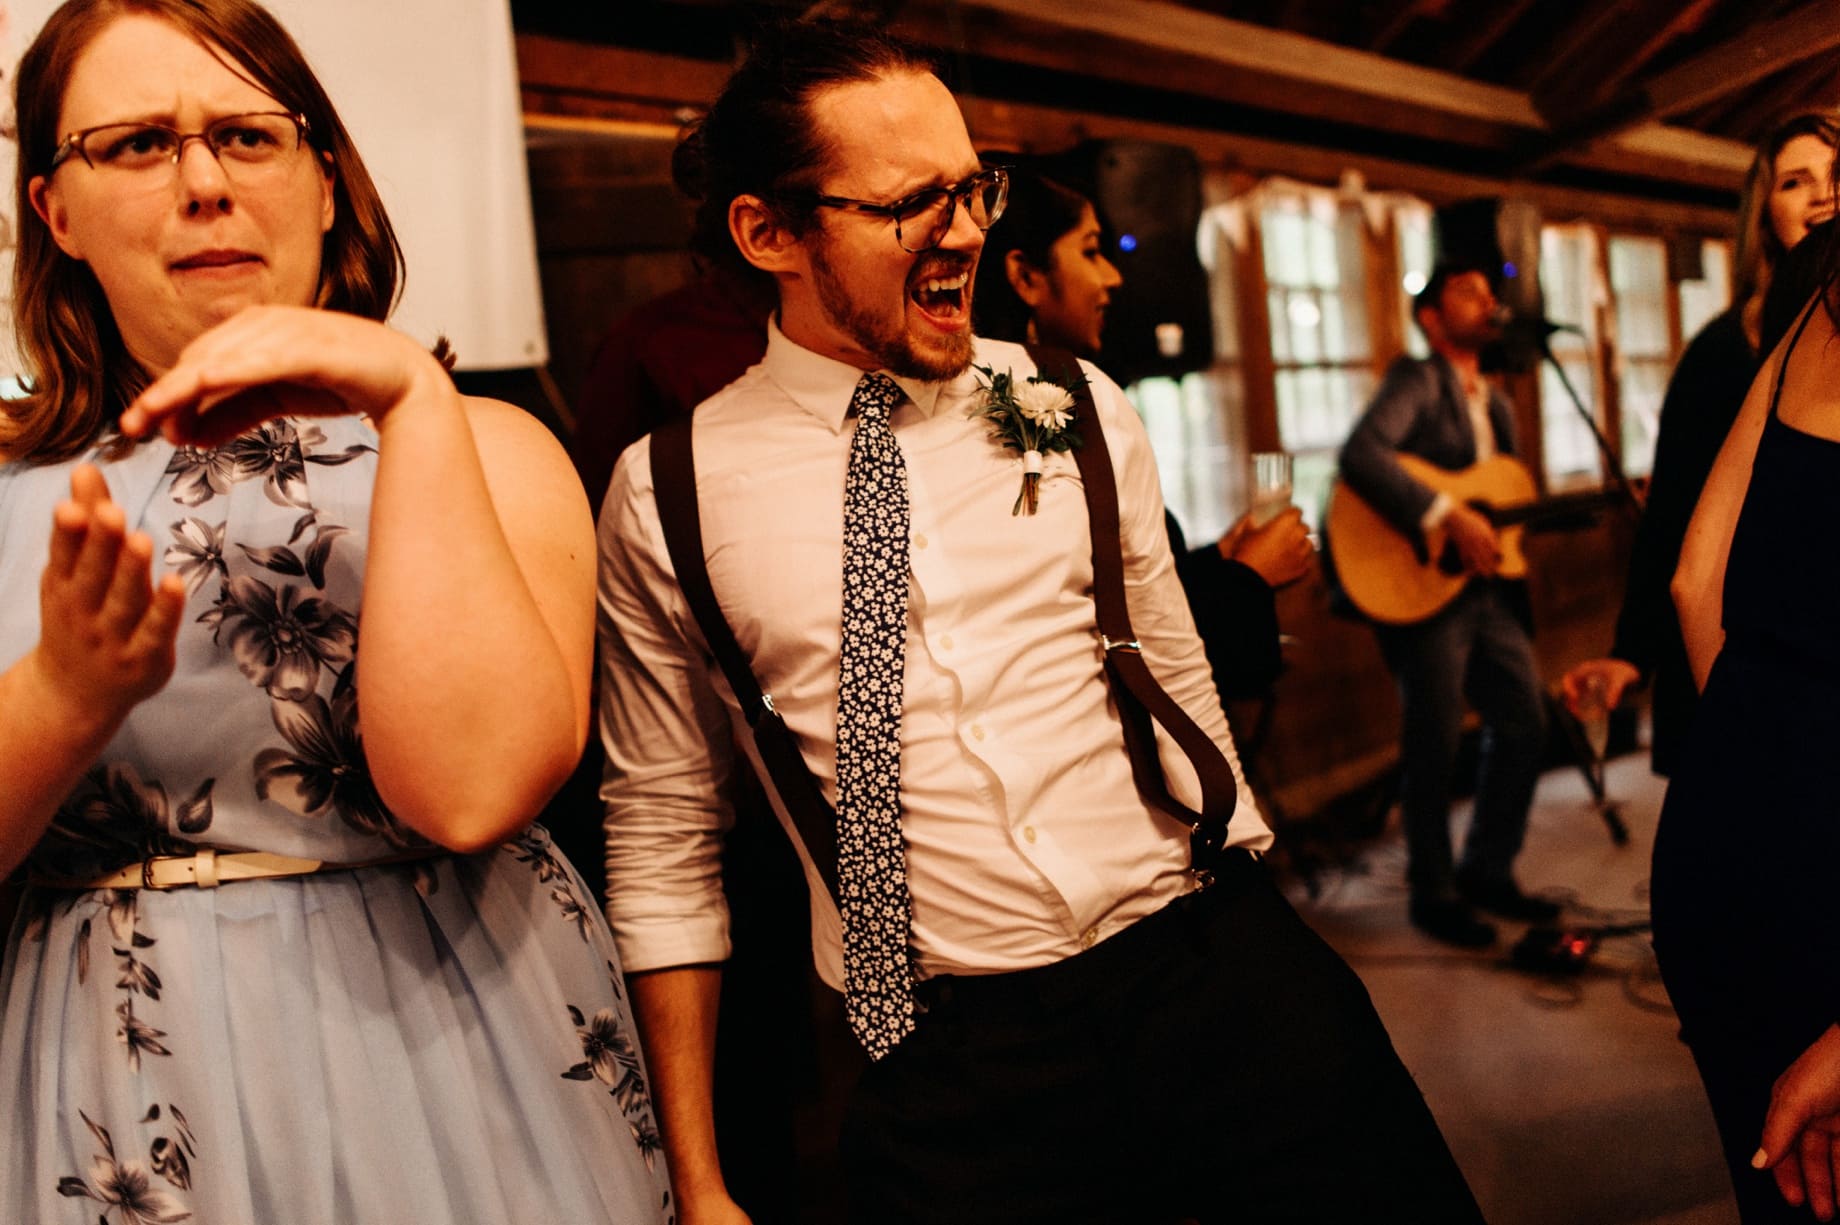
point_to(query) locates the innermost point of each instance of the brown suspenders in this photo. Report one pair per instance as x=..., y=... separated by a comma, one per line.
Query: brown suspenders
x=1141, y=700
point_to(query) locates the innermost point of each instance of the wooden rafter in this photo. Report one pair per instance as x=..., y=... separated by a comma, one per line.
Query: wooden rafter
x=1750, y=56
x=1645, y=45
x=1254, y=51
x=1816, y=83
x=1801, y=34
x=1395, y=20
x=561, y=65
x=1489, y=31
x=1032, y=128
x=1164, y=47
x=1541, y=68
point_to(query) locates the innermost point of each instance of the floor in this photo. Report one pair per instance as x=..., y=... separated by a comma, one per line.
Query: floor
x=1567, y=1099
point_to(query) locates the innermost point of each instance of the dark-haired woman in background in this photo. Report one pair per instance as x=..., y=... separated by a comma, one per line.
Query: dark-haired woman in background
x=1044, y=278
x=1785, y=193
x=273, y=962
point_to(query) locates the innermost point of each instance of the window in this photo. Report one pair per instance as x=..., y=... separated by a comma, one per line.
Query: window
x=1412, y=233
x=1572, y=287
x=1645, y=354
x=1702, y=299
x=1316, y=295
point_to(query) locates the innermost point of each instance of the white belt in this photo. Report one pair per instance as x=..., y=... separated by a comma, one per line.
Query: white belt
x=210, y=868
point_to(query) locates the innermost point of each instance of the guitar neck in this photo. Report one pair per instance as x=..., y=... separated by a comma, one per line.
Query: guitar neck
x=1553, y=507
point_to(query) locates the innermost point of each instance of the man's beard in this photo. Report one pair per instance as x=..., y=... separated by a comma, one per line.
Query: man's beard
x=884, y=337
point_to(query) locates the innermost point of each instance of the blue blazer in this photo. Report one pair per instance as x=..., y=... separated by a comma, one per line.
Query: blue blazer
x=1420, y=410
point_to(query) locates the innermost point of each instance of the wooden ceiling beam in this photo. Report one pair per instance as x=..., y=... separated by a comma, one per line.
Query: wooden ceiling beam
x=1758, y=52
x=1250, y=51
x=1396, y=20
x=1539, y=70
x=1038, y=129
x=1674, y=154
x=1749, y=57
x=560, y=65
x=1625, y=64
x=568, y=78
x=1489, y=31
x=1814, y=84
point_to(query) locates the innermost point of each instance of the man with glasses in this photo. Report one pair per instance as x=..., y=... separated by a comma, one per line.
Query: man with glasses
x=1077, y=1009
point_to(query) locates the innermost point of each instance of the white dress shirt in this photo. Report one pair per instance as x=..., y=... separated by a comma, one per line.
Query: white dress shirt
x=1476, y=400
x=1026, y=839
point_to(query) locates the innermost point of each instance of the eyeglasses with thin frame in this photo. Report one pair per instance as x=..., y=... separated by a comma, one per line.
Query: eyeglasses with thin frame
x=238, y=142
x=922, y=220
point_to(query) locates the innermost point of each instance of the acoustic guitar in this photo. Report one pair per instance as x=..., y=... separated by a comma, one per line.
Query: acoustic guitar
x=1398, y=578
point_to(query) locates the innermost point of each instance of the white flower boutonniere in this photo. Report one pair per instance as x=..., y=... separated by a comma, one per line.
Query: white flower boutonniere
x=1029, y=418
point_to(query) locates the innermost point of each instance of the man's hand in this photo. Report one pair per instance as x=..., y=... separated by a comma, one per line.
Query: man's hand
x=1278, y=551
x=1474, y=537
x=1801, y=1132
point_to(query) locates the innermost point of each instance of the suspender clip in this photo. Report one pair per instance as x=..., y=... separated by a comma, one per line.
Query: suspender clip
x=1206, y=842
x=766, y=699
x=1133, y=645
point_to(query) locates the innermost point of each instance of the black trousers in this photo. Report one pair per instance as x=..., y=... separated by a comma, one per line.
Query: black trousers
x=1214, y=1062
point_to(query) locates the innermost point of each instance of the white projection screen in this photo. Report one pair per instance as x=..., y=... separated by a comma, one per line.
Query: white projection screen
x=429, y=91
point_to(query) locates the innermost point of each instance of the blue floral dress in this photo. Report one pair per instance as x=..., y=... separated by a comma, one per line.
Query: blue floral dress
x=441, y=1040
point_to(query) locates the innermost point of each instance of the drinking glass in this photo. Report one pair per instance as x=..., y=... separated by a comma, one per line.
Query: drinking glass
x=1271, y=485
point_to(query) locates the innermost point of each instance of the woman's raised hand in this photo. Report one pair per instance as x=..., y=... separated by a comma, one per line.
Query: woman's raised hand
x=275, y=361
x=106, y=630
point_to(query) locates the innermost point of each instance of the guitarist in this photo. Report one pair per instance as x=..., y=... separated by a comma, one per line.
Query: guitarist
x=1477, y=647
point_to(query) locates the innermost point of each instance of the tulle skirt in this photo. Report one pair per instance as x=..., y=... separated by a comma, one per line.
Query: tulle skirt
x=442, y=1041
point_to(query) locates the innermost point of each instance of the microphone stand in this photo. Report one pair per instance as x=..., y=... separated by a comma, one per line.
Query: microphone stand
x=1611, y=463
x=1589, y=764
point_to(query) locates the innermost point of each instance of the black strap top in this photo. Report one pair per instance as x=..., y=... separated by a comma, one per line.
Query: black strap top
x=1782, y=586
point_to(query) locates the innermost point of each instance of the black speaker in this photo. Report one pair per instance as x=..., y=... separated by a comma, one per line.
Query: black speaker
x=1501, y=236
x=1148, y=199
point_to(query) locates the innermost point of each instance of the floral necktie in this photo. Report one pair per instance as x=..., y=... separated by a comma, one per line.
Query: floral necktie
x=871, y=858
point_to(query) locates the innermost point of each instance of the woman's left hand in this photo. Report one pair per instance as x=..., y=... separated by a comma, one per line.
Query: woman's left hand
x=275, y=361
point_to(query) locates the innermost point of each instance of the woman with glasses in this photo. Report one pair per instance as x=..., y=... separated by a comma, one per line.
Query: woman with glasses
x=290, y=948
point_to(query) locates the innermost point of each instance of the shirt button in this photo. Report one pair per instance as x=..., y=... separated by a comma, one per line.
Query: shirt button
x=919, y=540
x=1028, y=833
x=945, y=642
x=1089, y=937
x=977, y=733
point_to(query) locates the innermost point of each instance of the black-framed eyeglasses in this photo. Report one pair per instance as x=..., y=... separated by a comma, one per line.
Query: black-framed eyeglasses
x=922, y=220
x=249, y=140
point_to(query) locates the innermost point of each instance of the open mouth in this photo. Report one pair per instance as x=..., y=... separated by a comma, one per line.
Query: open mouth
x=944, y=297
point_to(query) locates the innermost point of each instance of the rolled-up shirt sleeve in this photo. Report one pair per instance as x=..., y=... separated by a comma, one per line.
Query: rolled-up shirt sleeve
x=668, y=742
x=1159, y=611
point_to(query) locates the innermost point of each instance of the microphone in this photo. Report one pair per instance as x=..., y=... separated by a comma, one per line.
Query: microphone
x=1535, y=325
x=1547, y=327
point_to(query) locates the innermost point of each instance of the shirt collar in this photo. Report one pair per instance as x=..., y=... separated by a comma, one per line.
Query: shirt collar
x=822, y=386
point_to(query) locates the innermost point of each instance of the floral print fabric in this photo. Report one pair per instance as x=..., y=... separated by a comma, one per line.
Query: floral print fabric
x=444, y=1040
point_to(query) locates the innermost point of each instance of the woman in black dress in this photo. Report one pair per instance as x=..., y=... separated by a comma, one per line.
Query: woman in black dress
x=1743, y=880
x=1784, y=195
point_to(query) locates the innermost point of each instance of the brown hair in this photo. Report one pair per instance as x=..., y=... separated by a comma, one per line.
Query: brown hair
x=1759, y=249
x=78, y=373
x=758, y=137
